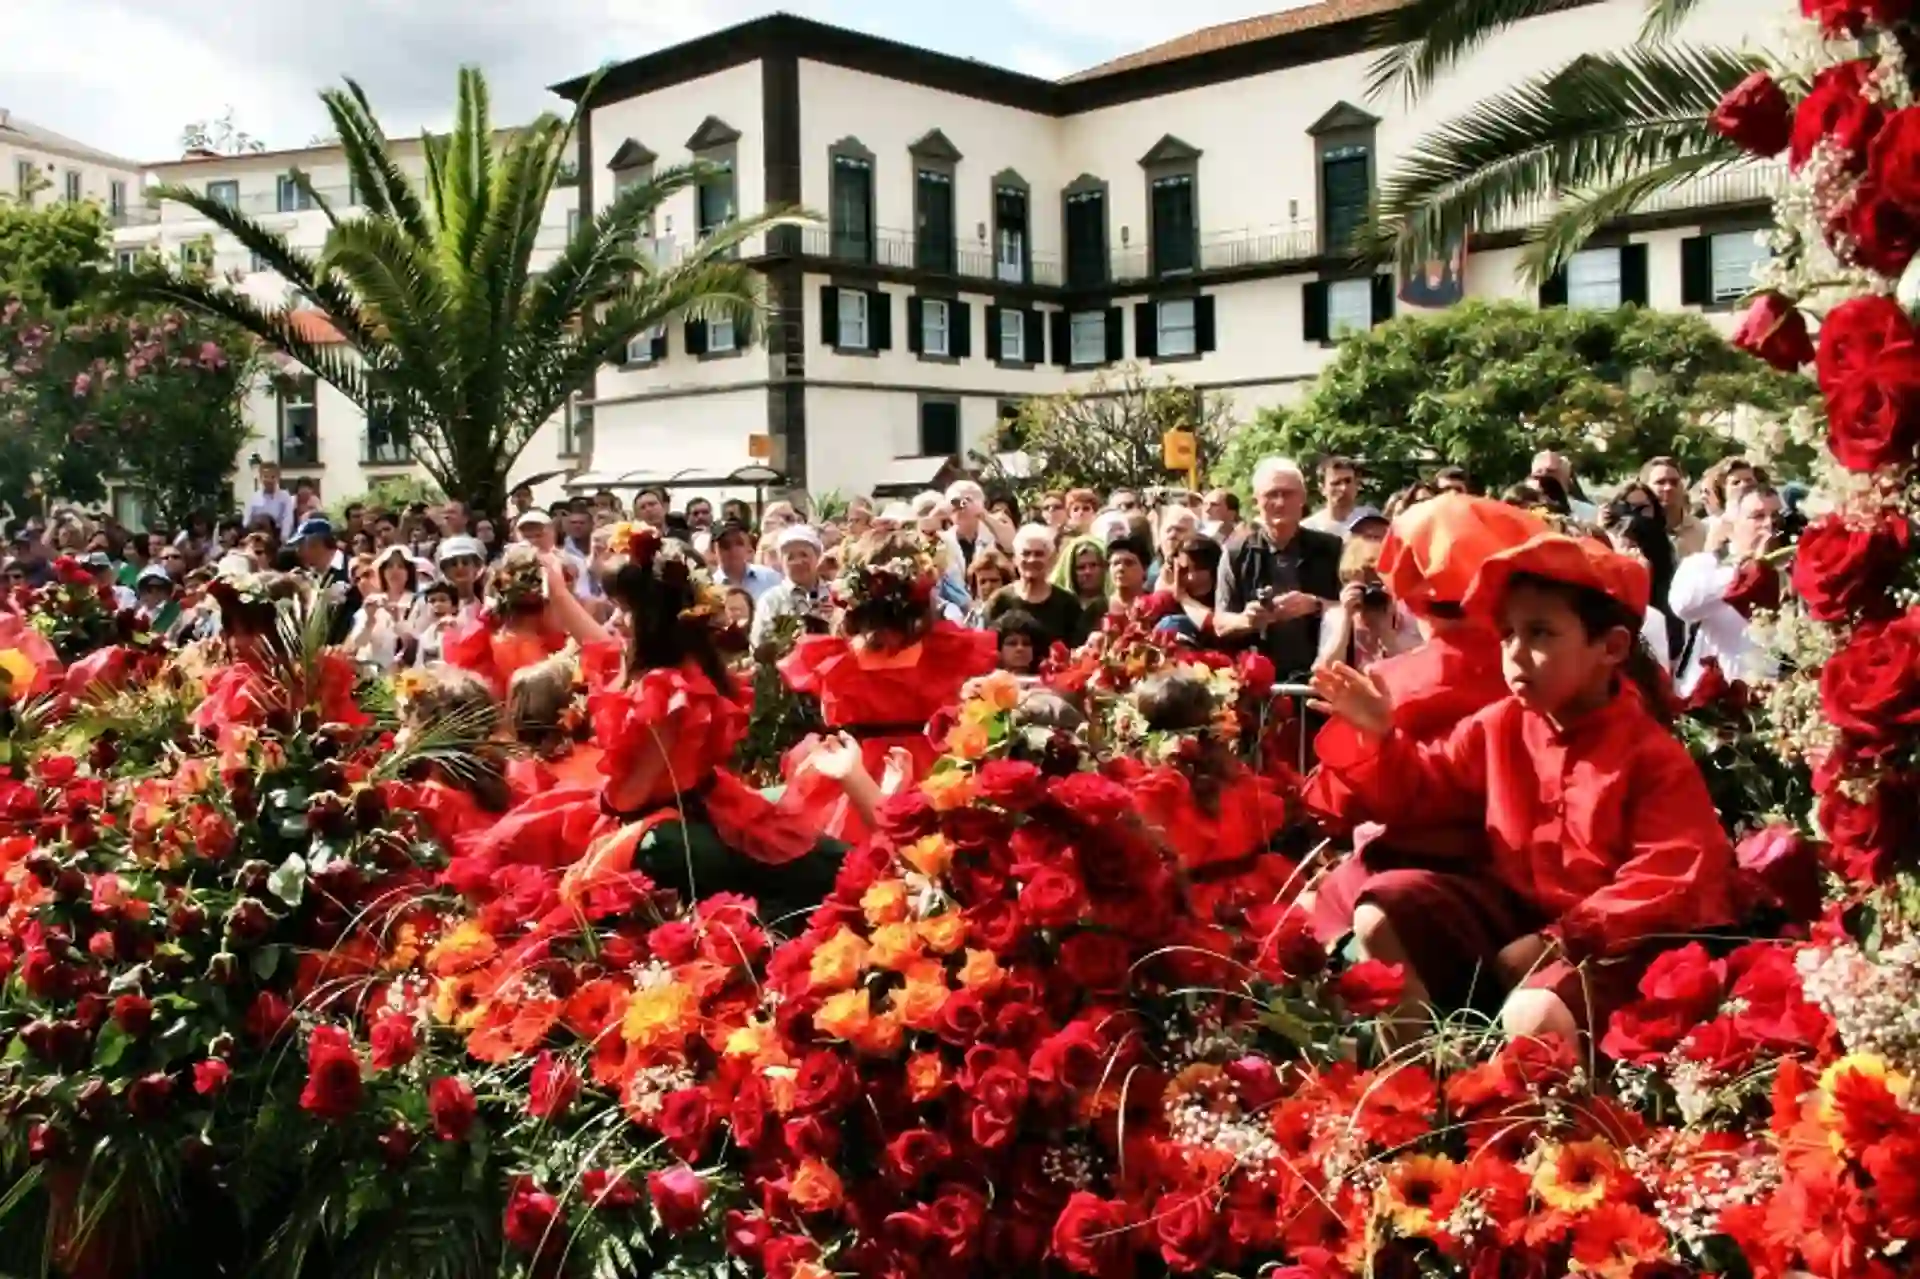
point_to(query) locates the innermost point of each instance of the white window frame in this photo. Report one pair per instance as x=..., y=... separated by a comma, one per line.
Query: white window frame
x=300, y=395
x=720, y=335
x=573, y=224
x=257, y=264
x=289, y=197
x=1596, y=279
x=74, y=186
x=196, y=253
x=126, y=259
x=1176, y=323
x=1012, y=337
x=1733, y=279
x=856, y=333
x=936, y=327
x=640, y=345
x=26, y=177
x=1011, y=255
x=1086, y=330
x=1349, y=307
x=232, y=201
x=117, y=196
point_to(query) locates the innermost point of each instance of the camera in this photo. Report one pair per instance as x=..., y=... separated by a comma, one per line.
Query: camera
x=1375, y=596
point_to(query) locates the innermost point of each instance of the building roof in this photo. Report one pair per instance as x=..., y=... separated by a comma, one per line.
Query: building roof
x=25, y=133
x=314, y=327
x=1227, y=35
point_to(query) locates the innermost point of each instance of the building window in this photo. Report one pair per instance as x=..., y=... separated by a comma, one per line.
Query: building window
x=647, y=347
x=1007, y=433
x=573, y=225
x=1086, y=235
x=292, y=196
x=130, y=508
x=387, y=437
x=850, y=213
x=852, y=307
x=1346, y=188
x=1010, y=244
x=714, y=199
x=1594, y=280
x=226, y=194
x=1012, y=337
x=1735, y=257
x=117, y=197
x=1087, y=338
x=720, y=335
x=196, y=253
x=936, y=327
x=576, y=429
x=299, y=422
x=26, y=180
x=1174, y=236
x=933, y=246
x=1349, y=307
x=72, y=190
x=1176, y=328
x=939, y=428
x=257, y=264
x=127, y=259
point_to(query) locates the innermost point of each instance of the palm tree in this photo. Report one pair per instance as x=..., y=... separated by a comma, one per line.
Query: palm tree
x=448, y=331
x=1598, y=136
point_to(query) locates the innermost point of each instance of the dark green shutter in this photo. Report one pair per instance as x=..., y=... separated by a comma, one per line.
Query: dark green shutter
x=1553, y=290
x=1313, y=311
x=1116, y=335
x=1203, y=330
x=829, y=315
x=696, y=337
x=879, y=320
x=1382, y=298
x=993, y=333
x=1036, y=347
x=960, y=329
x=916, y=333
x=1062, y=338
x=1633, y=274
x=1146, y=333
x=1696, y=271
x=660, y=345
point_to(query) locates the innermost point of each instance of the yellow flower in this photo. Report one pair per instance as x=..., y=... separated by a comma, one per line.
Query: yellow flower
x=882, y=1037
x=895, y=946
x=1415, y=1189
x=930, y=856
x=16, y=671
x=918, y=1003
x=967, y=741
x=944, y=933
x=660, y=1014
x=947, y=790
x=457, y=1001
x=982, y=971
x=467, y=946
x=749, y=1040
x=839, y=960
x=845, y=1015
x=885, y=902
x=1869, y=1065
x=1576, y=1176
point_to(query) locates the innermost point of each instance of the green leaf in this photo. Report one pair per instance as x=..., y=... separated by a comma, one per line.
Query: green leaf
x=267, y=959
x=111, y=1046
x=289, y=882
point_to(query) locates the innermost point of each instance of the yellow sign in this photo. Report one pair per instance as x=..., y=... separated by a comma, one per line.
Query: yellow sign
x=759, y=447
x=1177, y=450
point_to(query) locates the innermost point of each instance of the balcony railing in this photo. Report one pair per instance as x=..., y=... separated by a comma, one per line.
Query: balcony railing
x=134, y=215
x=387, y=447
x=1739, y=184
x=899, y=250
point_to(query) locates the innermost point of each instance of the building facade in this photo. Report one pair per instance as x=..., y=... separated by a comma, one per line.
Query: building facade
x=979, y=236
x=310, y=429
x=39, y=166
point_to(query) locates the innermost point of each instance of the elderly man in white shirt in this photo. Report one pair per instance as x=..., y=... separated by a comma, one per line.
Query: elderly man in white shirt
x=802, y=592
x=1699, y=597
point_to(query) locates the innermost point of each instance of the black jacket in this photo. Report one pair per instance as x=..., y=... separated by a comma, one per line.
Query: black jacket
x=1310, y=563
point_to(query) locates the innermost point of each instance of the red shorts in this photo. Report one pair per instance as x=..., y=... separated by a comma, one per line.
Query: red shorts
x=1453, y=924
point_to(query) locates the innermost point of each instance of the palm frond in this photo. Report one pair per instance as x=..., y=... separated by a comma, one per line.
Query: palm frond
x=385, y=189
x=1665, y=18
x=1580, y=215
x=1427, y=38
x=1590, y=125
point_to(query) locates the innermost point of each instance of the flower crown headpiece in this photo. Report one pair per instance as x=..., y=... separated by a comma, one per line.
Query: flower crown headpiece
x=516, y=586
x=1128, y=731
x=905, y=579
x=641, y=545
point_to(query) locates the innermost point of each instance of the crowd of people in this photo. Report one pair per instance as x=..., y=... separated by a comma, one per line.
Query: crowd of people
x=1300, y=584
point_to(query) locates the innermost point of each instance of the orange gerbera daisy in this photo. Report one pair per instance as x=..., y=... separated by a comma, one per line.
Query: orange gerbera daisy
x=1615, y=1239
x=1419, y=1193
x=1577, y=1176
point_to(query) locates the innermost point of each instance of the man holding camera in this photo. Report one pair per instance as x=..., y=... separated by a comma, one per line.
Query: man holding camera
x=1282, y=577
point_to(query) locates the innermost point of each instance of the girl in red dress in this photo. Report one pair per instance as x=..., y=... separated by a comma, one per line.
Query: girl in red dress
x=664, y=812
x=1601, y=838
x=882, y=677
x=521, y=625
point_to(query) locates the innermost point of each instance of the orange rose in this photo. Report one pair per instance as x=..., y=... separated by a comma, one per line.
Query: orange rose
x=885, y=902
x=947, y=790
x=930, y=856
x=845, y=1015
x=999, y=690
x=982, y=971
x=967, y=741
x=918, y=1003
x=839, y=960
x=815, y=1187
x=926, y=1076
x=882, y=1036
x=944, y=933
x=895, y=947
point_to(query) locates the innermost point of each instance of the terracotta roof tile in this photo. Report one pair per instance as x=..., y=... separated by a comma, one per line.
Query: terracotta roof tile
x=312, y=326
x=1226, y=35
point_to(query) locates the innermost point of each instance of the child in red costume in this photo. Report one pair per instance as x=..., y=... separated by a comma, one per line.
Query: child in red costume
x=882, y=677
x=1430, y=558
x=1602, y=839
x=516, y=629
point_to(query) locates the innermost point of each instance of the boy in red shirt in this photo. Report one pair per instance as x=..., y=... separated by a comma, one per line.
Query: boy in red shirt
x=1601, y=837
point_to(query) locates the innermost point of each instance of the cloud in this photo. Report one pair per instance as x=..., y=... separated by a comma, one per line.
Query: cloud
x=1125, y=25
x=1036, y=61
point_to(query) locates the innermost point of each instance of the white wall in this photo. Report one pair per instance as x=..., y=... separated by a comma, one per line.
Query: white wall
x=96, y=177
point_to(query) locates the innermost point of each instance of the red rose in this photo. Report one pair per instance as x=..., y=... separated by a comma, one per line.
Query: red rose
x=554, y=1085
x=1850, y=17
x=1755, y=586
x=148, y=1095
x=605, y=1191
x=1843, y=570
x=958, y=1216
x=1864, y=835
x=824, y=1084
x=1370, y=987
x=679, y=1197
x=1775, y=330
x=211, y=1076
x=674, y=942
x=1885, y=232
x=1871, y=688
x=1289, y=950
x=1755, y=116
x=1188, y=1229
x=1012, y=784
x=333, y=1075
x=133, y=1014
x=999, y=1096
x=686, y=1121
x=962, y=1018
x=1053, y=898
x=531, y=1216
x=1091, y=798
x=392, y=1042
x=1255, y=670
x=1838, y=110
x=267, y=1016
x=1644, y=1033
x=1096, y=963
x=1855, y=333
x=1893, y=161
x=1072, y=1058
x=452, y=1104
x=1685, y=978
x=1090, y=1237
x=56, y=770
x=1873, y=418
x=1782, y=870
x=915, y=1155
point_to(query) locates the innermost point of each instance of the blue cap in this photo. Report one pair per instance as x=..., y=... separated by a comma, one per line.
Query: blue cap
x=315, y=527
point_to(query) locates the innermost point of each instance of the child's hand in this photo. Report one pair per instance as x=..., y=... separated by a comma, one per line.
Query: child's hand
x=1354, y=697
x=1520, y=959
x=898, y=772
x=837, y=757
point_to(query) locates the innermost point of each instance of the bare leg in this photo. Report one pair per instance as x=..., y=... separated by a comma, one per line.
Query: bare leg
x=1535, y=1014
x=1373, y=935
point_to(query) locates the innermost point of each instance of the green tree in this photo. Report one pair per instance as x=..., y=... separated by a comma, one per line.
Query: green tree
x=1105, y=437
x=1594, y=138
x=1487, y=385
x=446, y=323
x=51, y=257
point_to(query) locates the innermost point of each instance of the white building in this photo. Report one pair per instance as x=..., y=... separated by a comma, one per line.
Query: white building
x=988, y=236
x=38, y=165
x=313, y=432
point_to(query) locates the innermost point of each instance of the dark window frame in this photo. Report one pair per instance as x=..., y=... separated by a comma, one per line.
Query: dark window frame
x=1344, y=133
x=716, y=143
x=311, y=457
x=1170, y=163
x=848, y=153
x=925, y=401
x=1010, y=181
x=935, y=158
x=1083, y=187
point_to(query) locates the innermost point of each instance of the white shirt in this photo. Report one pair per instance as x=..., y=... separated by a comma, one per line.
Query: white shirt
x=1698, y=599
x=278, y=504
x=1322, y=521
x=784, y=600
x=756, y=581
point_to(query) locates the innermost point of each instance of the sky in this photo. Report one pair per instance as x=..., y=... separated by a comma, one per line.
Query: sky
x=126, y=75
